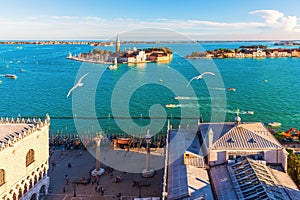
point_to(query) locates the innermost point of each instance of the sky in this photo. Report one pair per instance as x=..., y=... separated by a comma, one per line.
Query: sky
x=148, y=20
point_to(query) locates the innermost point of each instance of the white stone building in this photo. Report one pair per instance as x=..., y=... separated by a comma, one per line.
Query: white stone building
x=24, y=153
x=224, y=142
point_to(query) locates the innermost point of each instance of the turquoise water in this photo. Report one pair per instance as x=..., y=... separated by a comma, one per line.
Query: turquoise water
x=47, y=76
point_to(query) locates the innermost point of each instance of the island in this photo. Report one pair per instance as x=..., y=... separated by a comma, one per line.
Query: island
x=134, y=55
x=254, y=51
x=287, y=43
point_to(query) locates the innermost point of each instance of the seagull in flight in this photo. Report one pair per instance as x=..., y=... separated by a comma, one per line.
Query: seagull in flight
x=78, y=84
x=199, y=77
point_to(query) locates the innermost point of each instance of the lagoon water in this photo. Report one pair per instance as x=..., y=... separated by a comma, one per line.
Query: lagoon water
x=269, y=87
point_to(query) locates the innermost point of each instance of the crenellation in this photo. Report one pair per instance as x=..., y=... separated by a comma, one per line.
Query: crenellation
x=33, y=124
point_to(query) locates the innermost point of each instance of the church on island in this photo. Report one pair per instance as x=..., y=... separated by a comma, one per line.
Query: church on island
x=134, y=55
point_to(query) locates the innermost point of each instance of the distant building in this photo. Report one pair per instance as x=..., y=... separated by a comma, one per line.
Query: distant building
x=24, y=153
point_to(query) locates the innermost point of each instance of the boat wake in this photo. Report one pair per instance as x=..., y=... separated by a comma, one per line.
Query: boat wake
x=186, y=98
x=249, y=112
x=182, y=105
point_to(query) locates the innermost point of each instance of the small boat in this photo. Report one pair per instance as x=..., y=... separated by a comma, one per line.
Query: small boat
x=171, y=105
x=250, y=112
x=115, y=65
x=123, y=140
x=274, y=124
x=231, y=89
x=0, y=82
x=112, y=67
x=13, y=76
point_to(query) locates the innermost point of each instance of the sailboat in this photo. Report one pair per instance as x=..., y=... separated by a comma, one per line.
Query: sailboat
x=115, y=65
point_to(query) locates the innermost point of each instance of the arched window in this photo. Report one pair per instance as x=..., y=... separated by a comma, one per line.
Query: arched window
x=2, y=177
x=29, y=157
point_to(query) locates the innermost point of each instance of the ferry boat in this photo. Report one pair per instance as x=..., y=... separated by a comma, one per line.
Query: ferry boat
x=274, y=124
x=13, y=76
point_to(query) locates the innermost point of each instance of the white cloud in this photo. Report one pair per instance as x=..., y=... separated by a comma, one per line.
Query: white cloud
x=274, y=25
x=277, y=20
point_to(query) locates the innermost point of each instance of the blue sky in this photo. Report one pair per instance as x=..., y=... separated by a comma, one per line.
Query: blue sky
x=201, y=20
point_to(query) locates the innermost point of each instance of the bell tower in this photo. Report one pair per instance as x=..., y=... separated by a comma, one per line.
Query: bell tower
x=117, y=45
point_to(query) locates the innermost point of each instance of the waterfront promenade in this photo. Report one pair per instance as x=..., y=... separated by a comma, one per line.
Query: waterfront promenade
x=82, y=162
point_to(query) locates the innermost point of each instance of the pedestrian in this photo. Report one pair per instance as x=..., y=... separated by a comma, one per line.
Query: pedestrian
x=101, y=190
x=64, y=190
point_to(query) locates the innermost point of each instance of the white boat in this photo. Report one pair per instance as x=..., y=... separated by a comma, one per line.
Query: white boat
x=231, y=89
x=250, y=112
x=274, y=124
x=114, y=66
x=171, y=105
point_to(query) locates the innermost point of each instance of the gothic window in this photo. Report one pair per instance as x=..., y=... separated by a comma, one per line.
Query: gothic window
x=2, y=177
x=29, y=157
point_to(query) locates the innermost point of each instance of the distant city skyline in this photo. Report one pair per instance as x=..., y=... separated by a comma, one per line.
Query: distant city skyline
x=101, y=20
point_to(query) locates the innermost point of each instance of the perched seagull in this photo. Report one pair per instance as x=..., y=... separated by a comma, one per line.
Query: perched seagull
x=199, y=77
x=78, y=84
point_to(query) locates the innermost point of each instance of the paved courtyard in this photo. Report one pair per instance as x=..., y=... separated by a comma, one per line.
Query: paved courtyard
x=82, y=162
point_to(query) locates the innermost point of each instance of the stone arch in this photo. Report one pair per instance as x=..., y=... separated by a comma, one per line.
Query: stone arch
x=20, y=193
x=25, y=188
x=35, y=179
x=40, y=175
x=2, y=177
x=42, y=191
x=14, y=197
x=34, y=197
x=30, y=184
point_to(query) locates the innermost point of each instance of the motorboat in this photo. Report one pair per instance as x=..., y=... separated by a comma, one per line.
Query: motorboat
x=115, y=65
x=112, y=67
x=250, y=112
x=12, y=76
x=231, y=89
x=171, y=105
x=274, y=124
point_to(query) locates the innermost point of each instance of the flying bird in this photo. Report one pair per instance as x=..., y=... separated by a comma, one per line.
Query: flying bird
x=78, y=84
x=199, y=77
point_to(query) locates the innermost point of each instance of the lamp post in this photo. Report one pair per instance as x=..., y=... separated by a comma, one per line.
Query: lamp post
x=148, y=172
x=98, y=171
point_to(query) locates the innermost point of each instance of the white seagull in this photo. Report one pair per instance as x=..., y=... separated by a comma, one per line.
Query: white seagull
x=199, y=77
x=78, y=84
